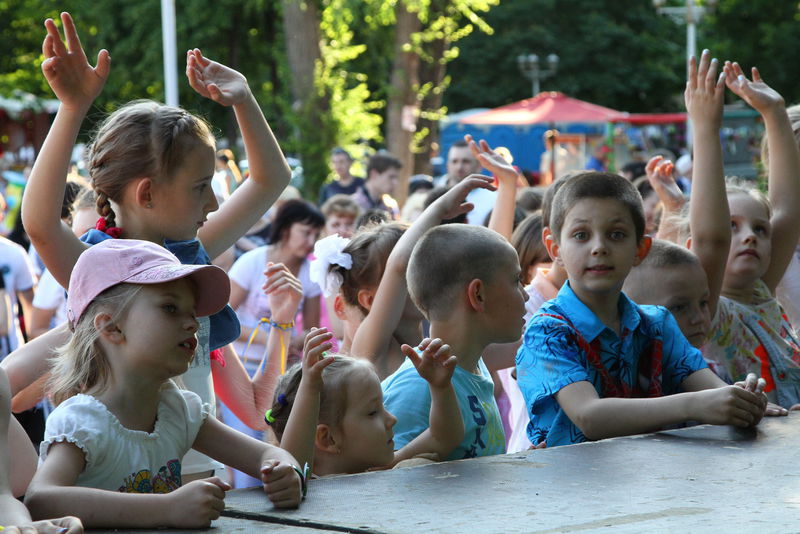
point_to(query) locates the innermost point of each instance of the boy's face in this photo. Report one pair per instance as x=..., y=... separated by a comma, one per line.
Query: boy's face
x=385, y=182
x=598, y=247
x=505, y=299
x=683, y=290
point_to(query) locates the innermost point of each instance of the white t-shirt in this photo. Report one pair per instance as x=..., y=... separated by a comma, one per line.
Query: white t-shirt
x=51, y=296
x=248, y=273
x=18, y=276
x=120, y=459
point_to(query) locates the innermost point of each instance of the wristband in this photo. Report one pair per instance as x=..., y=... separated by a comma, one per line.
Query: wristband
x=281, y=326
x=303, y=478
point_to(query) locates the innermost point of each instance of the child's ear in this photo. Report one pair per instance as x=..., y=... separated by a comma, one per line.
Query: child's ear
x=365, y=298
x=108, y=329
x=338, y=307
x=476, y=295
x=689, y=243
x=143, y=192
x=551, y=245
x=325, y=440
x=642, y=250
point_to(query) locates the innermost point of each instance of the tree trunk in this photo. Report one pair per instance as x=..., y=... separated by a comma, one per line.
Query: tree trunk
x=430, y=72
x=402, y=106
x=301, y=21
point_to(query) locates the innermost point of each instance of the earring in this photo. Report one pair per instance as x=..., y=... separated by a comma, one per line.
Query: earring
x=148, y=205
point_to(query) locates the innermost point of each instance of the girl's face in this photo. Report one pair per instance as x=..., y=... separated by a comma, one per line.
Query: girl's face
x=83, y=220
x=751, y=240
x=367, y=438
x=158, y=330
x=183, y=201
x=299, y=240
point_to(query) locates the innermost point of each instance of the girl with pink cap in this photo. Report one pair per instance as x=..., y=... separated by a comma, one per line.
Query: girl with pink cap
x=113, y=446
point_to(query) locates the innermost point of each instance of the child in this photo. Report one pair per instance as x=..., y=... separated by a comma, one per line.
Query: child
x=393, y=319
x=151, y=167
x=467, y=282
x=750, y=332
x=687, y=283
x=121, y=425
x=590, y=355
x=15, y=475
x=330, y=413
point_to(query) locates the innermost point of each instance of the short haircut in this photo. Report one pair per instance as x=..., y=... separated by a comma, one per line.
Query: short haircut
x=339, y=151
x=666, y=254
x=447, y=258
x=590, y=185
x=550, y=192
x=459, y=144
x=382, y=162
x=341, y=205
x=294, y=211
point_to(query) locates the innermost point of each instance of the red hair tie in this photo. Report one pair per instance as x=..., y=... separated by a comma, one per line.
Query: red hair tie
x=113, y=231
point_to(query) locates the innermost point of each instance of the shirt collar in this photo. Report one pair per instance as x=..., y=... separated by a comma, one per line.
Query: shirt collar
x=587, y=322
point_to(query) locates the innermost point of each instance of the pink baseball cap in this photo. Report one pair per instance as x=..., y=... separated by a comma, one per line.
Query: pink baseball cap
x=132, y=261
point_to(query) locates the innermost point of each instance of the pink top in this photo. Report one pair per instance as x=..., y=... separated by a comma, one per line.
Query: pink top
x=540, y=291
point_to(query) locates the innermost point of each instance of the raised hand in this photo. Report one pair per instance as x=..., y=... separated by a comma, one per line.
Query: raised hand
x=454, y=202
x=705, y=91
x=755, y=92
x=74, y=81
x=435, y=363
x=282, y=484
x=283, y=289
x=198, y=503
x=660, y=175
x=492, y=161
x=318, y=340
x=214, y=80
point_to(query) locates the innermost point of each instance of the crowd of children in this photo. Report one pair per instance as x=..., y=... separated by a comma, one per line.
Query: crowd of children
x=383, y=343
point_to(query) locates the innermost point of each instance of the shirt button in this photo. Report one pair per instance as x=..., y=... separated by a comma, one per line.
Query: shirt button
x=782, y=376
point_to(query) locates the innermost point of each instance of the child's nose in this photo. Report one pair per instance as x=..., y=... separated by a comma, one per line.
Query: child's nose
x=192, y=324
x=391, y=420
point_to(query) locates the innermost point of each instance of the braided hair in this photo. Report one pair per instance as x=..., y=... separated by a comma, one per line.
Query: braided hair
x=141, y=139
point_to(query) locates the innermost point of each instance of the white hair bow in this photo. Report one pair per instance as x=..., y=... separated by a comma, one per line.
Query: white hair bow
x=328, y=252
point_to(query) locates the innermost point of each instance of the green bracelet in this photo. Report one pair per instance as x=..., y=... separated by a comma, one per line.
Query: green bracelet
x=303, y=478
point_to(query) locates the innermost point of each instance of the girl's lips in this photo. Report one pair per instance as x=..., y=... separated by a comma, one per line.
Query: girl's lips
x=189, y=343
x=749, y=252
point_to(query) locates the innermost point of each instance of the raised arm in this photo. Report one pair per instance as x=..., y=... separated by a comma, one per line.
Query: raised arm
x=300, y=432
x=660, y=175
x=76, y=84
x=502, y=218
x=269, y=171
x=436, y=365
x=249, y=398
x=784, y=167
x=28, y=363
x=378, y=326
x=709, y=216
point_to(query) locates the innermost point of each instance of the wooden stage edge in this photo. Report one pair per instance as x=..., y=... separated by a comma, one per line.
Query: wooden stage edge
x=698, y=479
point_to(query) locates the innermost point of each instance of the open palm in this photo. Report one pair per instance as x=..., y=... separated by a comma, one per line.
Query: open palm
x=214, y=80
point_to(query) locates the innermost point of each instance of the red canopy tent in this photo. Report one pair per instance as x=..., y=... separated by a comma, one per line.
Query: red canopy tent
x=550, y=107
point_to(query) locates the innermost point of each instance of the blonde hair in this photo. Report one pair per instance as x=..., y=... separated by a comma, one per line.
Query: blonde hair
x=80, y=365
x=142, y=138
x=333, y=397
x=736, y=186
x=794, y=119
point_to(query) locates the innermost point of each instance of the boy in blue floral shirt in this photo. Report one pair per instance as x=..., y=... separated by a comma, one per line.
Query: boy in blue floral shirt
x=595, y=365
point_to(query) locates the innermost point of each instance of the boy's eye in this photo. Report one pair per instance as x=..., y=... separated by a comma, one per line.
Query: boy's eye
x=580, y=236
x=733, y=225
x=617, y=235
x=676, y=309
x=170, y=308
